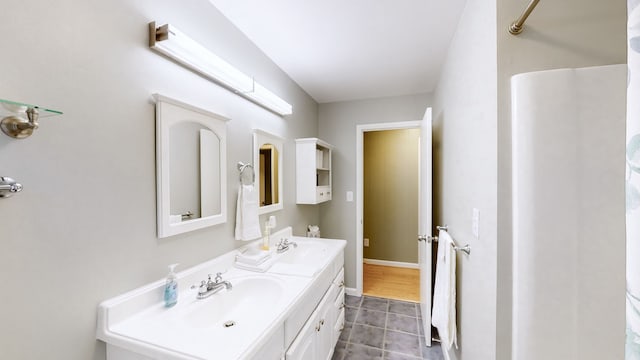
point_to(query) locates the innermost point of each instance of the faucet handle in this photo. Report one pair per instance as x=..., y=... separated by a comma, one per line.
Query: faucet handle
x=203, y=287
x=210, y=282
x=218, y=277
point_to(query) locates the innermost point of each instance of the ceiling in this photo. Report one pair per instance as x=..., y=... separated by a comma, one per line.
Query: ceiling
x=339, y=50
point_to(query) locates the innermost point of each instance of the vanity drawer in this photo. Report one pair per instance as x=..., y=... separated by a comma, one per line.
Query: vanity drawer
x=338, y=303
x=338, y=281
x=337, y=285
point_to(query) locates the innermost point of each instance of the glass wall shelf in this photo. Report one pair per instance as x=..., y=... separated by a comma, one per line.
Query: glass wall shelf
x=19, y=120
x=8, y=107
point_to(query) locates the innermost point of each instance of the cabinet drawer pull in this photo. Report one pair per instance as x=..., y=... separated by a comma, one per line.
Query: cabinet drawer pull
x=341, y=306
x=321, y=322
x=318, y=328
x=341, y=284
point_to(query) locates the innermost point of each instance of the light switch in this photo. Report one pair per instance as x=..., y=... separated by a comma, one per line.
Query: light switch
x=475, y=223
x=349, y=196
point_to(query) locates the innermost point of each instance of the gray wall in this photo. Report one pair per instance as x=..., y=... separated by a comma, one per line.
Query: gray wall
x=337, y=126
x=84, y=227
x=465, y=163
x=559, y=34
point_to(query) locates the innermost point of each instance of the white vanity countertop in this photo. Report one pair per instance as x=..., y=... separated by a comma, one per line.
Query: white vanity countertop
x=258, y=304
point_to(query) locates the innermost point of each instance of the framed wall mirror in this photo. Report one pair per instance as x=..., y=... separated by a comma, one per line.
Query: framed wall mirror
x=267, y=159
x=191, y=162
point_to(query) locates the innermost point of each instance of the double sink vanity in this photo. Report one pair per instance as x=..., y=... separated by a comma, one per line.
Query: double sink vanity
x=289, y=308
x=293, y=310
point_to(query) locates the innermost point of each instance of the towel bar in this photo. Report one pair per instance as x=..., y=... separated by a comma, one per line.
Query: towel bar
x=241, y=168
x=465, y=249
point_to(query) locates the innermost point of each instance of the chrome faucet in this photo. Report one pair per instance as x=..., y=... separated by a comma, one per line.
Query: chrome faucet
x=209, y=287
x=284, y=244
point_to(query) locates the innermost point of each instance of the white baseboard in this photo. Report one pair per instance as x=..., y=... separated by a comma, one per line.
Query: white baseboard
x=392, y=263
x=352, y=292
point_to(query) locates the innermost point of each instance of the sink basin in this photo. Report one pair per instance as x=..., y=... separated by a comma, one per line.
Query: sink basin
x=244, y=302
x=307, y=259
x=307, y=251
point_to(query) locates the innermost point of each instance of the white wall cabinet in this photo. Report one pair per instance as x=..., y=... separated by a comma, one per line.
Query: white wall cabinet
x=319, y=335
x=313, y=171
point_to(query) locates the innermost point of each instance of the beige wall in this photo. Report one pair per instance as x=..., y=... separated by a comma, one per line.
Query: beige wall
x=559, y=34
x=84, y=227
x=465, y=163
x=391, y=194
x=337, y=124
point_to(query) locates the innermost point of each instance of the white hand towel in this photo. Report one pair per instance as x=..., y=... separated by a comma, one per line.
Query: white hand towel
x=253, y=256
x=262, y=267
x=247, y=222
x=444, y=297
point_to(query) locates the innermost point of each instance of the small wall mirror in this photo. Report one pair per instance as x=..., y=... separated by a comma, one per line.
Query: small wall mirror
x=191, y=167
x=267, y=157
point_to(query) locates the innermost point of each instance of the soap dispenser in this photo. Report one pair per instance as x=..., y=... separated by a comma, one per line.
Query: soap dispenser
x=171, y=287
x=265, y=239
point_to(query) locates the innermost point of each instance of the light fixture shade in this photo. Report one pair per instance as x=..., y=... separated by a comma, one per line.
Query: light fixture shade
x=270, y=100
x=174, y=44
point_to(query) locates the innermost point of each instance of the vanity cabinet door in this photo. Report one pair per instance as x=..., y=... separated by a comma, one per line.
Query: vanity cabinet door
x=315, y=340
x=304, y=346
x=325, y=331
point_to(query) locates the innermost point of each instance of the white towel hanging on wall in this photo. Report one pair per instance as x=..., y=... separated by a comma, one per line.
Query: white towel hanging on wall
x=444, y=297
x=247, y=221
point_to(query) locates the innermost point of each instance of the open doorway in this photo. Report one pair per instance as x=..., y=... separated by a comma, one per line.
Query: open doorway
x=422, y=232
x=390, y=213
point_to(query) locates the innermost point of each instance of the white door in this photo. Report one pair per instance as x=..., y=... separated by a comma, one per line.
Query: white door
x=424, y=223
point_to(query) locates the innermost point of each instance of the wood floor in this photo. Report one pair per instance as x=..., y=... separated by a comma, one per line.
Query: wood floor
x=391, y=282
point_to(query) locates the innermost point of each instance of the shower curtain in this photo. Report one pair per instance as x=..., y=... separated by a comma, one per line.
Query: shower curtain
x=633, y=183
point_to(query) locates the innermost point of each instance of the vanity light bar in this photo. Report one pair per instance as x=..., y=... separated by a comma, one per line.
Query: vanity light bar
x=174, y=44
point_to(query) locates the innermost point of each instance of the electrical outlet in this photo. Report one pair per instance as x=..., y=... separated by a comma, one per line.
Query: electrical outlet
x=272, y=221
x=366, y=242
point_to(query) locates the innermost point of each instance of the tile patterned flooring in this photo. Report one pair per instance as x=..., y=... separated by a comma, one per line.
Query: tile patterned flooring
x=383, y=329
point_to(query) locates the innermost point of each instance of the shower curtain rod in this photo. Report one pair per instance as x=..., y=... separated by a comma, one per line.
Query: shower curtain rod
x=517, y=26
